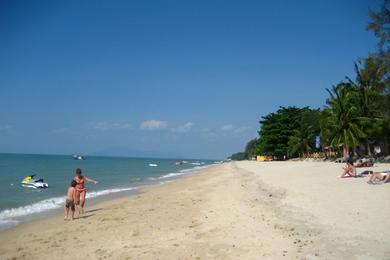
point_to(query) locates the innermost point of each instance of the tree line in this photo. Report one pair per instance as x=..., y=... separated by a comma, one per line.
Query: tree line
x=355, y=118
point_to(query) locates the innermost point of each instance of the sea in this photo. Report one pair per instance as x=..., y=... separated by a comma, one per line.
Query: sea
x=116, y=176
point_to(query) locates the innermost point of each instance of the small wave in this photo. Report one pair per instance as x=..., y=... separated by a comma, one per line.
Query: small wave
x=8, y=216
x=196, y=168
x=95, y=194
x=196, y=163
x=12, y=216
x=170, y=175
x=179, y=173
x=166, y=176
x=165, y=182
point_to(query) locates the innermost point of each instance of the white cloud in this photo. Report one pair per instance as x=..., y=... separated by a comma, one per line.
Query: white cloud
x=154, y=125
x=227, y=127
x=183, y=128
x=230, y=128
x=241, y=129
x=111, y=126
x=5, y=127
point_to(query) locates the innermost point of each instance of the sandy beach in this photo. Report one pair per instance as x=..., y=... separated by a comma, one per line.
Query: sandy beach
x=237, y=210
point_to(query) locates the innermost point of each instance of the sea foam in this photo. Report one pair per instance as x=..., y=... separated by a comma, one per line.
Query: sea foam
x=12, y=216
x=179, y=173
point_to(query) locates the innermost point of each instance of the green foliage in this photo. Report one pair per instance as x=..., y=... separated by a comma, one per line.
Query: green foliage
x=238, y=156
x=369, y=87
x=250, y=151
x=380, y=24
x=303, y=138
x=357, y=112
x=276, y=130
x=251, y=148
x=342, y=122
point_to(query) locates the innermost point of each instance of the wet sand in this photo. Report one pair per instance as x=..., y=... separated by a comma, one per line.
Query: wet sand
x=238, y=210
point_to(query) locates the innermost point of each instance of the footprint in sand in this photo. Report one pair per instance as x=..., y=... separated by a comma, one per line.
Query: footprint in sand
x=103, y=254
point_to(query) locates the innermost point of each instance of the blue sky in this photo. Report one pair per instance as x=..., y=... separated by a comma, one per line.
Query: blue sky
x=166, y=78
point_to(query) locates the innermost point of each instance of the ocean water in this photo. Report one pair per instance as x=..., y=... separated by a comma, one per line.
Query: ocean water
x=116, y=175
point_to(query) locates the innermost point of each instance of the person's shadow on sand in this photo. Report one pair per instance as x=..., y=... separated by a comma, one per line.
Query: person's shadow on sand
x=84, y=216
x=93, y=210
x=87, y=213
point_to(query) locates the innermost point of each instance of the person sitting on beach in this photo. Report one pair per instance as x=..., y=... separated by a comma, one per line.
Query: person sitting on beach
x=349, y=169
x=81, y=191
x=70, y=198
x=379, y=177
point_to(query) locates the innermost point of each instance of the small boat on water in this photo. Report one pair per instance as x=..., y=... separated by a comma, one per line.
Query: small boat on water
x=178, y=163
x=31, y=182
x=152, y=165
x=78, y=157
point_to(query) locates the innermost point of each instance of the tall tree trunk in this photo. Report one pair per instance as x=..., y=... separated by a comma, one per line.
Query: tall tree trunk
x=346, y=150
x=368, y=148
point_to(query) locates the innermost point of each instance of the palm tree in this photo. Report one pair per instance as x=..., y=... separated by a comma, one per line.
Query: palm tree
x=342, y=124
x=368, y=86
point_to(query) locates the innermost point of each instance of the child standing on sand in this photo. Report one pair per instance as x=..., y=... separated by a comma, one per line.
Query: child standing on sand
x=70, y=200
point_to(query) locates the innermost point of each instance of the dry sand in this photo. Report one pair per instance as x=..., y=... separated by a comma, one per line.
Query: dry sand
x=238, y=210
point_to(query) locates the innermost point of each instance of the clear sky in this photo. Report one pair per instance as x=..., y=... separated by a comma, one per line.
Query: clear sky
x=166, y=78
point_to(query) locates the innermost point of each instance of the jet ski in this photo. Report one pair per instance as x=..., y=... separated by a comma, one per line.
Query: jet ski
x=31, y=182
x=78, y=157
x=177, y=163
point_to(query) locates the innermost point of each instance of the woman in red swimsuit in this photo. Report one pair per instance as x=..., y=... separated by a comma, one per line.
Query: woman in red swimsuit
x=81, y=191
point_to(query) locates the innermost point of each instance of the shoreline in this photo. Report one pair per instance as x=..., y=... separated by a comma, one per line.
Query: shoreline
x=244, y=210
x=98, y=197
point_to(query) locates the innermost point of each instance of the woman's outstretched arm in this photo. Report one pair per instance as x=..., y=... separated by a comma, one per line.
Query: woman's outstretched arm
x=90, y=180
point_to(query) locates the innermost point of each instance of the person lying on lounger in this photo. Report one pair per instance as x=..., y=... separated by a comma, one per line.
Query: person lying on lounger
x=379, y=177
x=362, y=163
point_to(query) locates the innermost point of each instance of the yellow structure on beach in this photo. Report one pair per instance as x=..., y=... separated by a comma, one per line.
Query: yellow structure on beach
x=263, y=158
